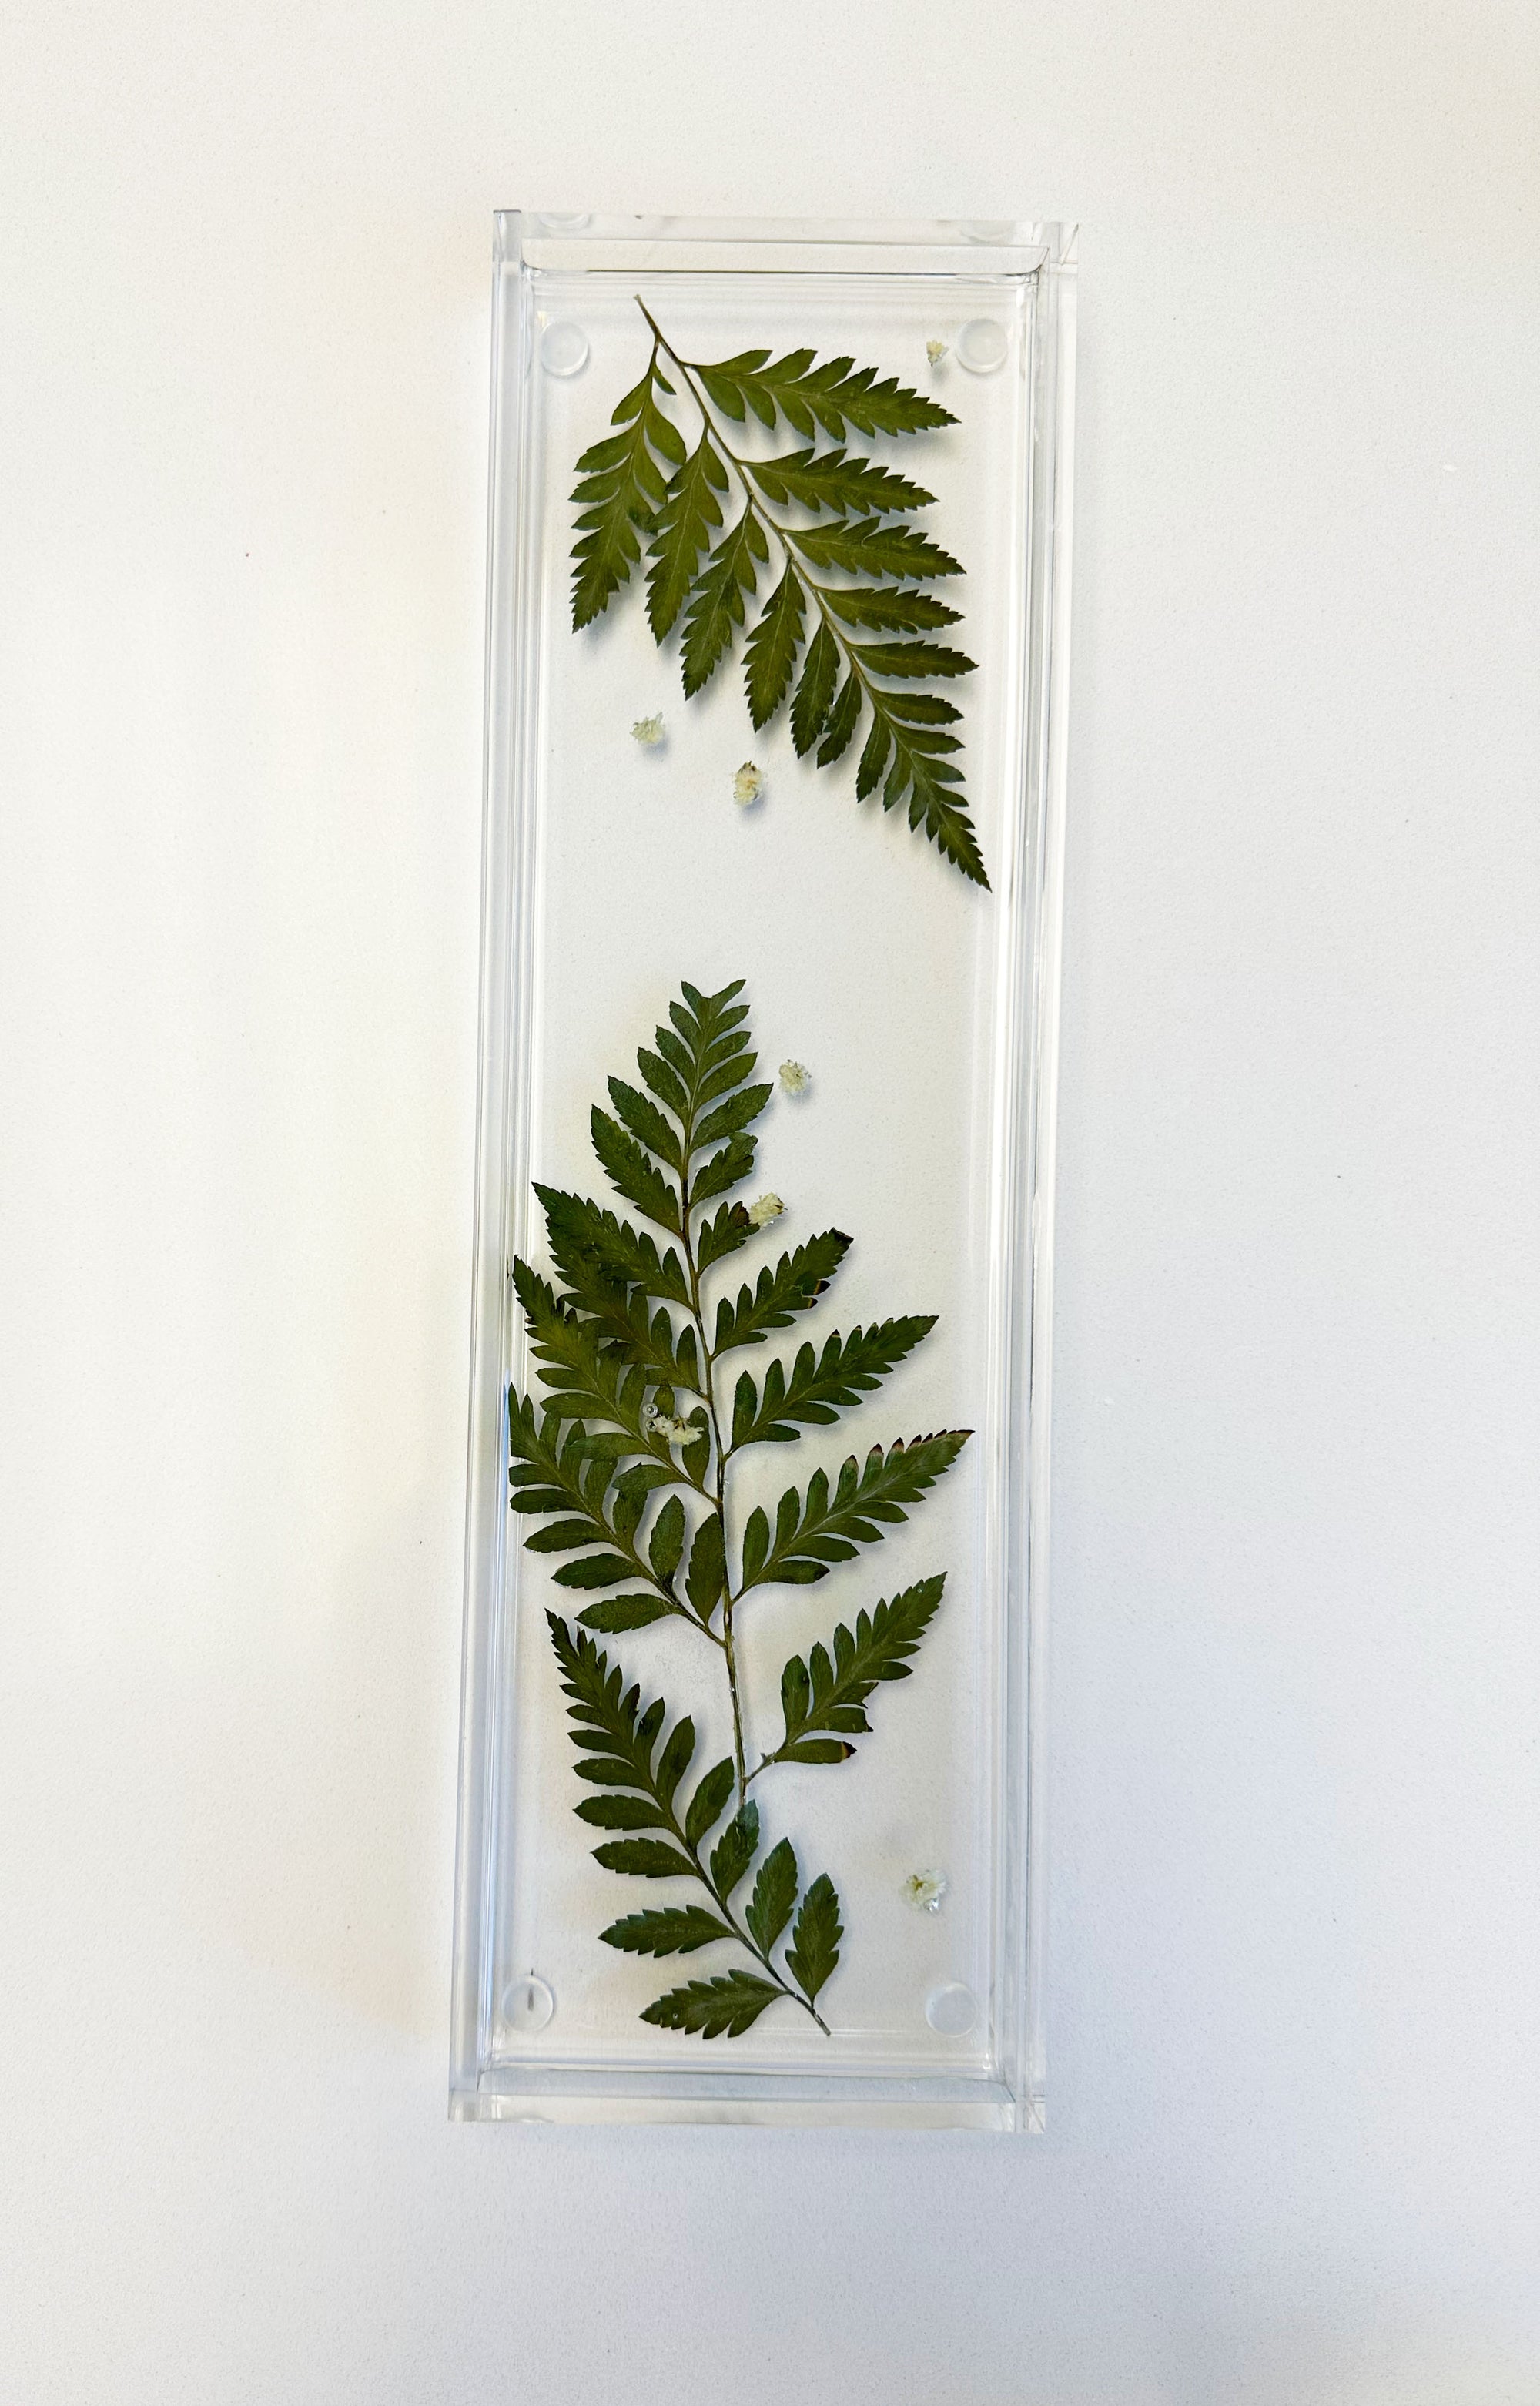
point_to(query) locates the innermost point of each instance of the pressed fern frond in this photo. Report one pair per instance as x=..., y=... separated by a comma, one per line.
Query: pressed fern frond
x=828, y=529
x=824, y=1700
x=625, y=1754
x=627, y=1469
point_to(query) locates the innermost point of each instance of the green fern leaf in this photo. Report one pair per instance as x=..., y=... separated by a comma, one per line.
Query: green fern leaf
x=721, y=596
x=769, y=655
x=822, y=1384
x=585, y=1242
x=728, y=1168
x=884, y=606
x=735, y=1849
x=740, y=1110
x=608, y=1720
x=609, y=1810
x=727, y=1232
x=774, y=1895
x=595, y=1570
x=778, y=1294
x=677, y=1930
x=621, y=487
x=621, y=1612
x=840, y=726
x=582, y=1361
x=830, y=396
x=916, y=770
x=666, y=1545
x=916, y=660
x=685, y=523
x=814, y=1949
x=814, y=1533
x=640, y=1115
x=548, y=1473
x=867, y=548
x=707, y=1572
x=631, y=1173
x=836, y=480
x=644, y=1858
x=823, y=1700
x=814, y=689
x=589, y=1357
x=710, y=1800
x=724, y=2007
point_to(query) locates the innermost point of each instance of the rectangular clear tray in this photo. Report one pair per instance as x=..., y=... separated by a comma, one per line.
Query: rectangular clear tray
x=924, y=1005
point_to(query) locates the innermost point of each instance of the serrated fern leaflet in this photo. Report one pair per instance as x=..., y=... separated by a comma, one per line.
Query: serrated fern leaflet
x=626, y=1466
x=816, y=541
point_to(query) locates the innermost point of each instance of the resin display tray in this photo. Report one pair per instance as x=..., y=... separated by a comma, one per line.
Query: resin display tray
x=924, y=1008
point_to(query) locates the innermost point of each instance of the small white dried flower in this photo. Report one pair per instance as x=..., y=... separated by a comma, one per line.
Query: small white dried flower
x=935, y=353
x=747, y=784
x=656, y=1423
x=795, y=1078
x=649, y=731
x=925, y=1890
x=769, y=1208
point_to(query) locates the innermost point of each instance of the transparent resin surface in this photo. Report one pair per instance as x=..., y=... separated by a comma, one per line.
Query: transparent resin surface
x=923, y=1006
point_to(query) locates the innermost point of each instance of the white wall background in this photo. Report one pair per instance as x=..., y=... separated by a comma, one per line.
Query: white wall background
x=1294, y=2153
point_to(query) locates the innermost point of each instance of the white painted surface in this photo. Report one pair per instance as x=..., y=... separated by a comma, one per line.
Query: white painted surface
x=1295, y=2145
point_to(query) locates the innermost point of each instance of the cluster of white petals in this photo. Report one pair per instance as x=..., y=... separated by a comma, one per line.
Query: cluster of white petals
x=656, y=1423
x=796, y=1078
x=925, y=1890
x=649, y=731
x=935, y=353
x=769, y=1208
x=748, y=783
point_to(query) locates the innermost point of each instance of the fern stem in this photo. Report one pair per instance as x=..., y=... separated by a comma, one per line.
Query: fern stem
x=719, y=1455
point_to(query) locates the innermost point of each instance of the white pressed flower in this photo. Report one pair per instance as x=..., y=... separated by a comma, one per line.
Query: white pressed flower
x=747, y=784
x=925, y=1890
x=656, y=1423
x=769, y=1208
x=649, y=731
x=935, y=353
x=795, y=1078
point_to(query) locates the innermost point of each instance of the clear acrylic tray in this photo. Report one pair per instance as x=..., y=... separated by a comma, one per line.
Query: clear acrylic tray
x=885, y=1956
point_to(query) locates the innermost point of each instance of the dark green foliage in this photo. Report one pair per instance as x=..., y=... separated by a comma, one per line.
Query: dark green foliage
x=734, y=1851
x=828, y=480
x=625, y=1471
x=709, y=1802
x=685, y=523
x=867, y=548
x=589, y=1243
x=829, y=1696
x=850, y=558
x=723, y=2007
x=820, y=1386
x=618, y=1741
x=887, y=606
x=795, y=1282
x=814, y=1531
x=837, y=397
x=775, y=1895
x=814, y=1948
x=708, y=1567
x=770, y=654
x=621, y=484
x=678, y=1929
x=720, y=598
x=620, y=1612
